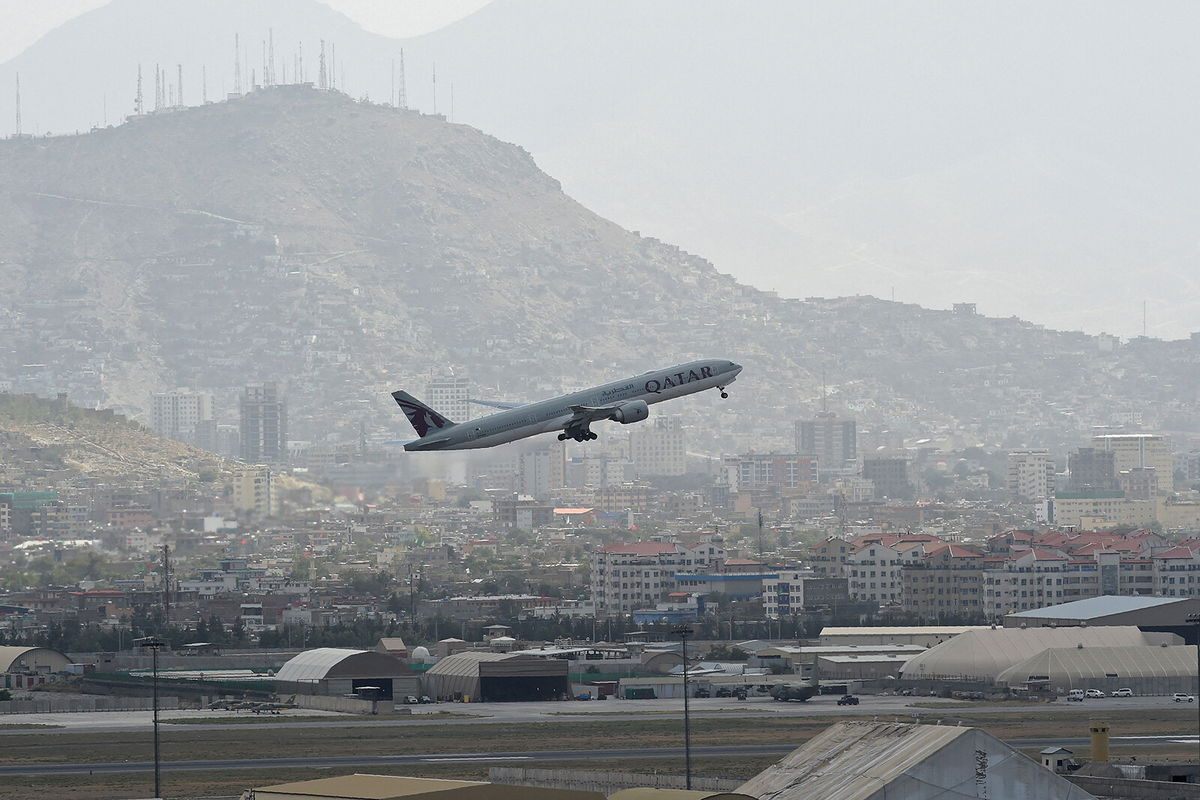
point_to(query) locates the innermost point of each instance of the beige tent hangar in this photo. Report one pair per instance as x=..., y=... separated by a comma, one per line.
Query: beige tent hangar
x=1145, y=670
x=981, y=655
x=498, y=676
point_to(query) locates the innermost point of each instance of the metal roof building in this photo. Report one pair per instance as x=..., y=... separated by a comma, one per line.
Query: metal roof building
x=877, y=760
x=481, y=675
x=1148, y=613
x=339, y=671
x=981, y=655
x=1145, y=670
x=923, y=635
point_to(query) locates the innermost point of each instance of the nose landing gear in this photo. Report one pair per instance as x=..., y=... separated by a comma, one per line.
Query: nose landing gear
x=724, y=394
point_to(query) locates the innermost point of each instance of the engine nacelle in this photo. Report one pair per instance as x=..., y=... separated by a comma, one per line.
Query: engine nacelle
x=632, y=411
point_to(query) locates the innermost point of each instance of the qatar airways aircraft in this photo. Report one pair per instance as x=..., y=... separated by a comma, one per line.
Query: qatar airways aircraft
x=622, y=401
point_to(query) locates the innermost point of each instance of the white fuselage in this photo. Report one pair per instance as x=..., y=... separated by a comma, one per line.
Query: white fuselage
x=547, y=416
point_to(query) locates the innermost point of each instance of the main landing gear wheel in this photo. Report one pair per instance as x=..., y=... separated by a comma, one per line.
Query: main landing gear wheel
x=579, y=436
x=724, y=394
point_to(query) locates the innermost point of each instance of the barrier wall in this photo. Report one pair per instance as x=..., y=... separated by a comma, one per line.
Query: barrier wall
x=1132, y=789
x=86, y=703
x=347, y=705
x=608, y=782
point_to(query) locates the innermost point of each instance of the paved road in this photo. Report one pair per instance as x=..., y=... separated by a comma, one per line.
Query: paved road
x=899, y=708
x=534, y=755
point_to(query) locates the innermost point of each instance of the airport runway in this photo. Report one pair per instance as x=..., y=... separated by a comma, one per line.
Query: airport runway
x=497, y=758
x=898, y=708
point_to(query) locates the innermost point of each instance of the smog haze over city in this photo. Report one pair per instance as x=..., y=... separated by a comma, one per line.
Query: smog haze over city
x=787, y=362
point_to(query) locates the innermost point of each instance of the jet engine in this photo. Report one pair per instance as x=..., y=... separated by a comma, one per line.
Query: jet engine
x=632, y=411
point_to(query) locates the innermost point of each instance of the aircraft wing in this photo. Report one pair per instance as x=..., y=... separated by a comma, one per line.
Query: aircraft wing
x=495, y=403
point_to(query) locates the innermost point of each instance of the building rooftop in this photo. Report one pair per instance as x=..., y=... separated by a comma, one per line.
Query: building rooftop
x=1095, y=607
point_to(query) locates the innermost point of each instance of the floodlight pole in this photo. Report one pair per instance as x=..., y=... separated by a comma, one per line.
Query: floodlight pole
x=154, y=643
x=1195, y=620
x=682, y=632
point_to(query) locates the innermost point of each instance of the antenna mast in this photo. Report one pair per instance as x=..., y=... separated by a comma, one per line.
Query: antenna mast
x=322, y=75
x=137, y=101
x=435, y=87
x=237, y=64
x=271, y=54
x=179, y=95
x=203, y=85
x=18, y=104
x=402, y=97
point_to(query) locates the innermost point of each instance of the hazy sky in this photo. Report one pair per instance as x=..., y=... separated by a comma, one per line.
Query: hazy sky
x=25, y=21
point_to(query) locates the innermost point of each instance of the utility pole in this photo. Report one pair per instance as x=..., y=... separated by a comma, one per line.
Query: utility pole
x=179, y=95
x=166, y=592
x=322, y=75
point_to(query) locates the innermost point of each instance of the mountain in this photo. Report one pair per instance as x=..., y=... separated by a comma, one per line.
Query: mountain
x=345, y=249
x=1032, y=158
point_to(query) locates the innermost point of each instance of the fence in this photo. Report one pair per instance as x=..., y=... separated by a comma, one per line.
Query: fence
x=605, y=782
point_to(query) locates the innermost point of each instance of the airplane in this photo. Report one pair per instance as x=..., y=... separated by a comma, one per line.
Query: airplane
x=623, y=401
x=275, y=708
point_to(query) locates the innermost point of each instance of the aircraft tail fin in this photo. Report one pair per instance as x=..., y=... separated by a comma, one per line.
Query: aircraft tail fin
x=423, y=418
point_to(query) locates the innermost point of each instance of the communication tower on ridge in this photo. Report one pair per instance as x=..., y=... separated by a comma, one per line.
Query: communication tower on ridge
x=18, y=104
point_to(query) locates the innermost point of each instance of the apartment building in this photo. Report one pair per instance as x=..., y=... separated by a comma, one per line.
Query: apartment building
x=1141, y=451
x=630, y=576
x=1031, y=474
x=658, y=447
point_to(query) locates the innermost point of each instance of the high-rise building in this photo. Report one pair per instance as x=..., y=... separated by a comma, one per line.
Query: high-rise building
x=1031, y=474
x=890, y=476
x=769, y=470
x=263, y=425
x=656, y=447
x=448, y=395
x=1141, y=451
x=254, y=491
x=176, y=414
x=1092, y=469
x=833, y=441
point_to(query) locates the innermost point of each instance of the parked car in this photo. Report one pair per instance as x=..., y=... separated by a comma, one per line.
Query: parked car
x=847, y=700
x=1183, y=697
x=584, y=696
x=702, y=692
x=425, y=700
x=1094, y=693
x=740, y=694
x=724, y=691
x=1076, y=695
x=1123, y=692
x=410, y=700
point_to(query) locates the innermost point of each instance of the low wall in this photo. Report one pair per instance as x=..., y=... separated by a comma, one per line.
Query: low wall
x=608, y=782
x=86, y=703
x=347, y=705
x=1132, y=789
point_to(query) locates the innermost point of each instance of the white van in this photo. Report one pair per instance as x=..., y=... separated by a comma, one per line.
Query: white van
x=1075, y=694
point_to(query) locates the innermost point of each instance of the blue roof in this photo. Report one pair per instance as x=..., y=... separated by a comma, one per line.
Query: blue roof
x=1094, y=607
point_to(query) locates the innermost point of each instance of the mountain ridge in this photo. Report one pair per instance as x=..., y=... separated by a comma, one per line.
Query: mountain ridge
x=346, y=249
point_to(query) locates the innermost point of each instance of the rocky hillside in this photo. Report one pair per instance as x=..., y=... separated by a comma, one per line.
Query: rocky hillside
x=345, y=249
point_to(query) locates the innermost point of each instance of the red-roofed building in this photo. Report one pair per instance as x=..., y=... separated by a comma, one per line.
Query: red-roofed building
x=946, y=583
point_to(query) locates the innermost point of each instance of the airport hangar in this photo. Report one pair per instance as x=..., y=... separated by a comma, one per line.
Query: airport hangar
x=338, y=671
x=26, y=667
x=484, y=675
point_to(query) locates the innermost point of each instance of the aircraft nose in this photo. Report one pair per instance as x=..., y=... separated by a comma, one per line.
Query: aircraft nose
x=735, y=367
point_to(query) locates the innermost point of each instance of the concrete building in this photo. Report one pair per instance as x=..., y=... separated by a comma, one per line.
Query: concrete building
x=263, y=428
x=448, y=395
x=626, y=577
x=769, y=470
x=833, y=441
x=658, y=447
x=1092, y=510
x=878, y=760
x=1092, y=469
x=890, y=474
x=177, y=414
x=254, y=491
x=1140, y=451
x=792, y=591
x=1031, y=474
